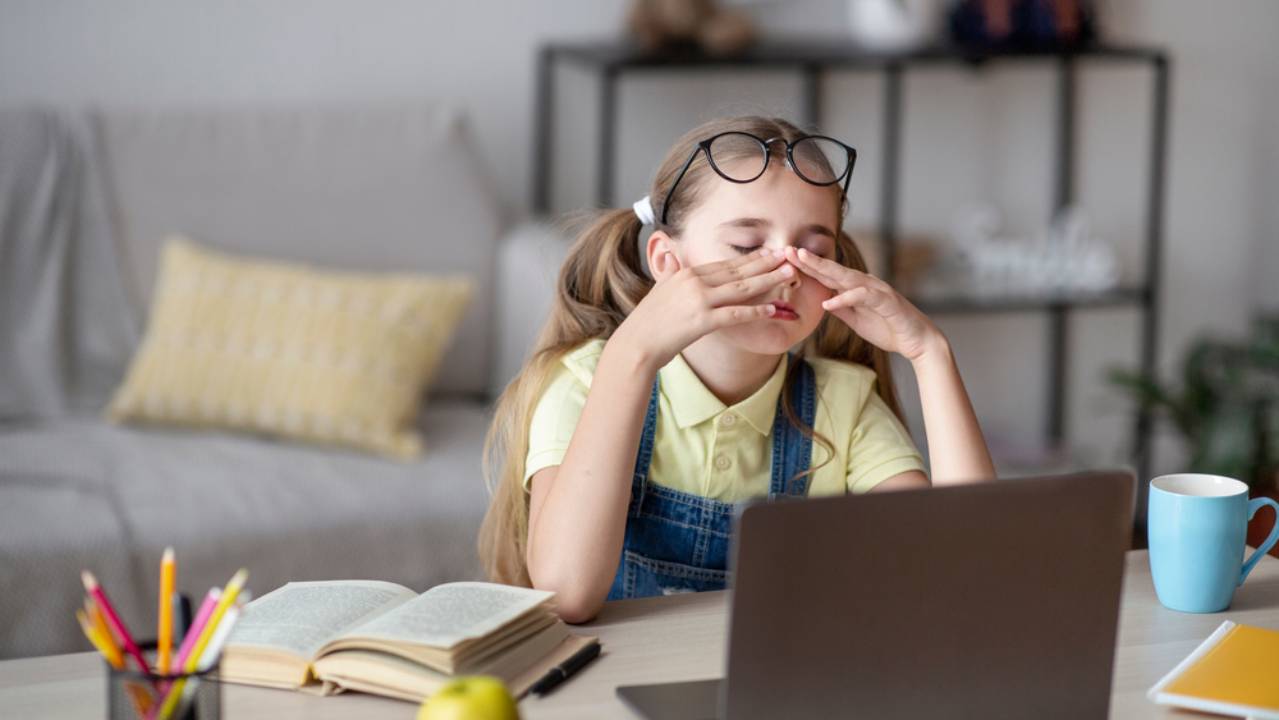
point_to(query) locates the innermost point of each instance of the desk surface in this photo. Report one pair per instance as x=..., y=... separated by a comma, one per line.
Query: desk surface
x=663, y=639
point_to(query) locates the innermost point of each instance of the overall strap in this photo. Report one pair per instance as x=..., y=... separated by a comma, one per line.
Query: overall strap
x=644, y=457
x=792, y=450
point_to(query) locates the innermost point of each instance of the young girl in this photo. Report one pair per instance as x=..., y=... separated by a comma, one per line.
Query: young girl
x=662, y=394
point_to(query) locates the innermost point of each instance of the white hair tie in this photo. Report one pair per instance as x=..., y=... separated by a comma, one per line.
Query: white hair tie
x=644, y=210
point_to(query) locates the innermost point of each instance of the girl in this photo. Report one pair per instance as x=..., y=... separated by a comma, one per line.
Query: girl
x=661, y=394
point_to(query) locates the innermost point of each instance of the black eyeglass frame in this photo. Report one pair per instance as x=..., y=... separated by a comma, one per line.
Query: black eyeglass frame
x=704, y=146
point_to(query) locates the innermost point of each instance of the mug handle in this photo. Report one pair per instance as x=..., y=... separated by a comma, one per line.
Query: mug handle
x=1253, y=506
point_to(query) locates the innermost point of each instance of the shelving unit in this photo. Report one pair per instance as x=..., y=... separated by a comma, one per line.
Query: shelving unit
x=811, y=59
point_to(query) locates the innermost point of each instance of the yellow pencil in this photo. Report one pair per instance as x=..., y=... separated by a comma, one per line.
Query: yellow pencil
x=114, y=655
x=164, y=633
x=229, y=594
x=91, y=632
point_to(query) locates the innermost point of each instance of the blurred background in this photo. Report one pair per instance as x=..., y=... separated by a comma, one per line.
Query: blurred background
x=1023, y=169
x=969, y=138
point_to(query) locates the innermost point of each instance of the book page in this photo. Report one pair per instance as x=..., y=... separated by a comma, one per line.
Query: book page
x=448, y=614
x=300, y=617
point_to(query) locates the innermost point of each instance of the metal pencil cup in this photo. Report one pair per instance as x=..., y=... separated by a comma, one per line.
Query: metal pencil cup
x=136, y=695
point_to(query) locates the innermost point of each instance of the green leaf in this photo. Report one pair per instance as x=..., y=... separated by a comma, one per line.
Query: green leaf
x=1227, y=443
x=1148, y=393
x=1200, y=389
x=1228, y=405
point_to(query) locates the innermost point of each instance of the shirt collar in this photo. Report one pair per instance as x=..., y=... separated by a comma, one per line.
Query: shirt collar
x=692, y=403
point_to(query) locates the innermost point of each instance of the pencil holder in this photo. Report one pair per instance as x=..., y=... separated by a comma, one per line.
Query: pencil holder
x=136, y=695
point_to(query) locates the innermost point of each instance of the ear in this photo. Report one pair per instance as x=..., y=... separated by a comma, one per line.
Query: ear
x=662, y=259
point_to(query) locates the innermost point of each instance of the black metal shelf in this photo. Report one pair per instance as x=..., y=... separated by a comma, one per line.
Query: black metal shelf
x=828, y=52
x=960, y=303
x=812, y=58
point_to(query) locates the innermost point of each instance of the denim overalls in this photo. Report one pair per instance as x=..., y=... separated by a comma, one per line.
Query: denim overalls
x=679, y=542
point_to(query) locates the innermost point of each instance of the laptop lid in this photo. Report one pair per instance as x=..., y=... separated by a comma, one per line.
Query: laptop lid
x=990, y=600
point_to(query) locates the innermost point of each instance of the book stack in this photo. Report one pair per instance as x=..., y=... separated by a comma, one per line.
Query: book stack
x=385, y=639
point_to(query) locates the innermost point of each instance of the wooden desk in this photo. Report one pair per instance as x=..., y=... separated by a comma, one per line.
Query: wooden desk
x=663, y=639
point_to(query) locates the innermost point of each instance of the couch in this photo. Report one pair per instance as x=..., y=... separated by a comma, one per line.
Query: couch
x=86, y=198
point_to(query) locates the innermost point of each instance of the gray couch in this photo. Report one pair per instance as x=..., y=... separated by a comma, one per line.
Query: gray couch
x=86, y=198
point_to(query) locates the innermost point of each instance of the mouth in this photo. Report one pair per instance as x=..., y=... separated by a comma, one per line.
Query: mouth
x=784, y=311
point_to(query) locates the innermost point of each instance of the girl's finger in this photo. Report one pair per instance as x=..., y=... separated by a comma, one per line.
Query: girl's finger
x=865, y=296
x=722, y=271
x=749, y=287
x=739, y=314
x=842, y=275
x=857, y=276
x=825, y=278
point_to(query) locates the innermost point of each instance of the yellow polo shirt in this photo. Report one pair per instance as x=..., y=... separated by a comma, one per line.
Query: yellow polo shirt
x=706, y=448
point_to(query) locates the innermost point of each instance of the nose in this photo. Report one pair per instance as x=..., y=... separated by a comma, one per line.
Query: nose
x=793, y=281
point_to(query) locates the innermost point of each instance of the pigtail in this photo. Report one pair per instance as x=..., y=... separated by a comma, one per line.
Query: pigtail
x=602, y=279
x=600, y=283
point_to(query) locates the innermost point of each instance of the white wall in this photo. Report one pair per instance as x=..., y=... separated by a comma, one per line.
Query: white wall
x=969, y=137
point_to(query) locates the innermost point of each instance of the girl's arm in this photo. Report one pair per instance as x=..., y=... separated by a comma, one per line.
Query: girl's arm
x=879, y=314
x=577, y=510
x=956, y=449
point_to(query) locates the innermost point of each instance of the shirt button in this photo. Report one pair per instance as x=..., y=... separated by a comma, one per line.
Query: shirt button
x=722, y=462
x=727, y=419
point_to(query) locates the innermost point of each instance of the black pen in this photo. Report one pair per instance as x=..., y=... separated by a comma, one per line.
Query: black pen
x=561, y=672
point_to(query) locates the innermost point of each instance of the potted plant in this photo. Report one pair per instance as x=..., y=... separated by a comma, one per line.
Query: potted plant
x=1226, y=409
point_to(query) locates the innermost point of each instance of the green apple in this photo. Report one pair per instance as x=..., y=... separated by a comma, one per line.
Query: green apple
x=470, y=697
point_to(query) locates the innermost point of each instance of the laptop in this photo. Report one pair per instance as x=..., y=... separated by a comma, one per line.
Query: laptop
x=993, y=600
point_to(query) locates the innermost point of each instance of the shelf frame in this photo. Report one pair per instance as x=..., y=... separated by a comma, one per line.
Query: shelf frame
x=812, y=59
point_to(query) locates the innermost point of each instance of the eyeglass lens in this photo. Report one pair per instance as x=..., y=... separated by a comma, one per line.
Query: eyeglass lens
x=743, y=158
x=819, y=160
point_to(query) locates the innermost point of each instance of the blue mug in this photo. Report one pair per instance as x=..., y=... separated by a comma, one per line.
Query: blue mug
x=1196, y=525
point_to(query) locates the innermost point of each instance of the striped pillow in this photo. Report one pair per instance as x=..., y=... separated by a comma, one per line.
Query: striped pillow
x=290, y=351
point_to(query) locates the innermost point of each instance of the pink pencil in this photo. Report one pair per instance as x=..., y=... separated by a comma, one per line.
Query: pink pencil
x=117, y=625
x=197, y=626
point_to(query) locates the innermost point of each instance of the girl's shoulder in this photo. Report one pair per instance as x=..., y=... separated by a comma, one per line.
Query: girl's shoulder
x=582, y=360
x=843, y=379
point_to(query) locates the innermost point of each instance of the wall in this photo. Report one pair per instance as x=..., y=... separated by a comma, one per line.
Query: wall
x=970, y=137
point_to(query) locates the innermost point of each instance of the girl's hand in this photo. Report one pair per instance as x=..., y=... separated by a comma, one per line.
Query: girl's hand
x=871, y=307
x=698, y=300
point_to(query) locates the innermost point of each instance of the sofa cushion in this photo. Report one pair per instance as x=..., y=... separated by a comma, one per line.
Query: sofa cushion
x=285, y=350
x=396, y=187
x=78, y=493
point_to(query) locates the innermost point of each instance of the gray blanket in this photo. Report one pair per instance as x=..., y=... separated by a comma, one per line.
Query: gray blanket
x=66, y=327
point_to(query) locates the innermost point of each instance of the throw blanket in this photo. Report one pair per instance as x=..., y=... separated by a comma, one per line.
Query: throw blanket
x=66, y=326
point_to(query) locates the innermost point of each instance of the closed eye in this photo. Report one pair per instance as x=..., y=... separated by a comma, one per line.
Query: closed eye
x=821, y=246
x=743, y=249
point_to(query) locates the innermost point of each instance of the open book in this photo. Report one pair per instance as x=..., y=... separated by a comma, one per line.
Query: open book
x=383, y=638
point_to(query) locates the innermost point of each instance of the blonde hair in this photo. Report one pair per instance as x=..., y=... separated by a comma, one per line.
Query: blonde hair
x=601, y=281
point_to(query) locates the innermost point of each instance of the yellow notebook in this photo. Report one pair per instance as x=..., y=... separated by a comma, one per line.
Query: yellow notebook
x=1234, y=672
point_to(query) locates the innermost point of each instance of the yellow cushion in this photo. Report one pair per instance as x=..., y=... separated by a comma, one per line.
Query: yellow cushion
x=286, y=350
